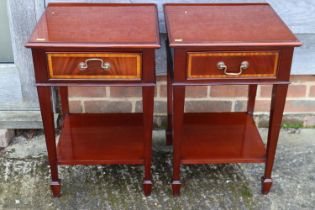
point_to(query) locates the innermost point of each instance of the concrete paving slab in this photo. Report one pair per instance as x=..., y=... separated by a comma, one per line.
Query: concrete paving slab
x=24, y=179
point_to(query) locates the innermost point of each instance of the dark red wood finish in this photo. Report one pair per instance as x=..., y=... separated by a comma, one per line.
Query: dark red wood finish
x=220, y=138
x=122, y=66
x=148, y=104
x=169, y=96
x=234, y=24
x=91, y=29
x=101, y=139
x=44, y=96
x=97, y=25
x=200, y=138
x=63, y=93
x=203, y=65
x=251, y=99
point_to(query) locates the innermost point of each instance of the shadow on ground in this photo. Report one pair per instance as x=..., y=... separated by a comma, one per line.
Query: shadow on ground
x=24, y=179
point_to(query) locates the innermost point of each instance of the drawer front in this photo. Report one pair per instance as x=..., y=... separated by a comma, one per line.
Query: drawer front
x=247, y=64
x=111, y=66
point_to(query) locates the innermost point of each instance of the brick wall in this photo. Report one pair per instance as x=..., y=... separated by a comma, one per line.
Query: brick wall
x=299, y=109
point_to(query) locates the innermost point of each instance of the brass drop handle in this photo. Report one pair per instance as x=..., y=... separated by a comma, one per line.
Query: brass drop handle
x=104, y=65
x=221, y=66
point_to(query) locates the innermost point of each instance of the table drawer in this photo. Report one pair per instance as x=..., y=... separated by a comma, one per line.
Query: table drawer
x=247, y=64
x=111, y=66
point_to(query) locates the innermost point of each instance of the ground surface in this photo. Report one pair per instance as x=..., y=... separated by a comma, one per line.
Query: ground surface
x=24, y=178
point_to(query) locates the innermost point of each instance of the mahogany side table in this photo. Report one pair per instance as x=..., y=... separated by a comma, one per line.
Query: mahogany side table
x=79, y=44
x=225, y=44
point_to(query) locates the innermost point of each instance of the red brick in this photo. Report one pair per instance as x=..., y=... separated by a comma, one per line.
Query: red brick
x=262, y=106
x=208, y=106
x=87, y=92
x=125, y=92
x=265, y=91
x=190, y=92
x=302, y=78
x=312, y=91
x=163, y=90
x=196, y=91
x=75, y=106
x=293, y=91
x=107, y=106
x=296, y=91
x=161, y=78
x=299, y=106
x=229, y=91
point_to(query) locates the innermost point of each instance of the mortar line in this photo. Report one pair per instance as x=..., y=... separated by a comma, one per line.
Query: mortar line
x=107, y=91
x=133, y=106
x=217, y=99
x=104, y=98
x=304, y=98
x=114, y=99
x=258, y=92
x=158, y=90
x=82, y=106
x=233, y=106
x=308, y=89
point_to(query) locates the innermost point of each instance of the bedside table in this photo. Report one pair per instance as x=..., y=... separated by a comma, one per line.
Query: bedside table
x=79, y=44
x=225, y=44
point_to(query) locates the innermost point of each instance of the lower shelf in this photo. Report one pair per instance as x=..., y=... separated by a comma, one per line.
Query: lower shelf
x=220, y=138
x=101, y=139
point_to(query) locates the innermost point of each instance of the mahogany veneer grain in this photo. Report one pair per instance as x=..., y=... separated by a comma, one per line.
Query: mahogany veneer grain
x=203, y=65
x=127, y=66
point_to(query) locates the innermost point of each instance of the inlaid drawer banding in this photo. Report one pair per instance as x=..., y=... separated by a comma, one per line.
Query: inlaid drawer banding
x=110, y=66
x=247, y=64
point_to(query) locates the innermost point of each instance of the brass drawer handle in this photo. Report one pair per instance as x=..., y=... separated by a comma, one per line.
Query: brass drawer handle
x=221, y=66
x=104, y=65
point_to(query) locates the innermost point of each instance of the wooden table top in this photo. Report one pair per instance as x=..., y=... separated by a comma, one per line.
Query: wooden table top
x=254, y=24
x=97, y=25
